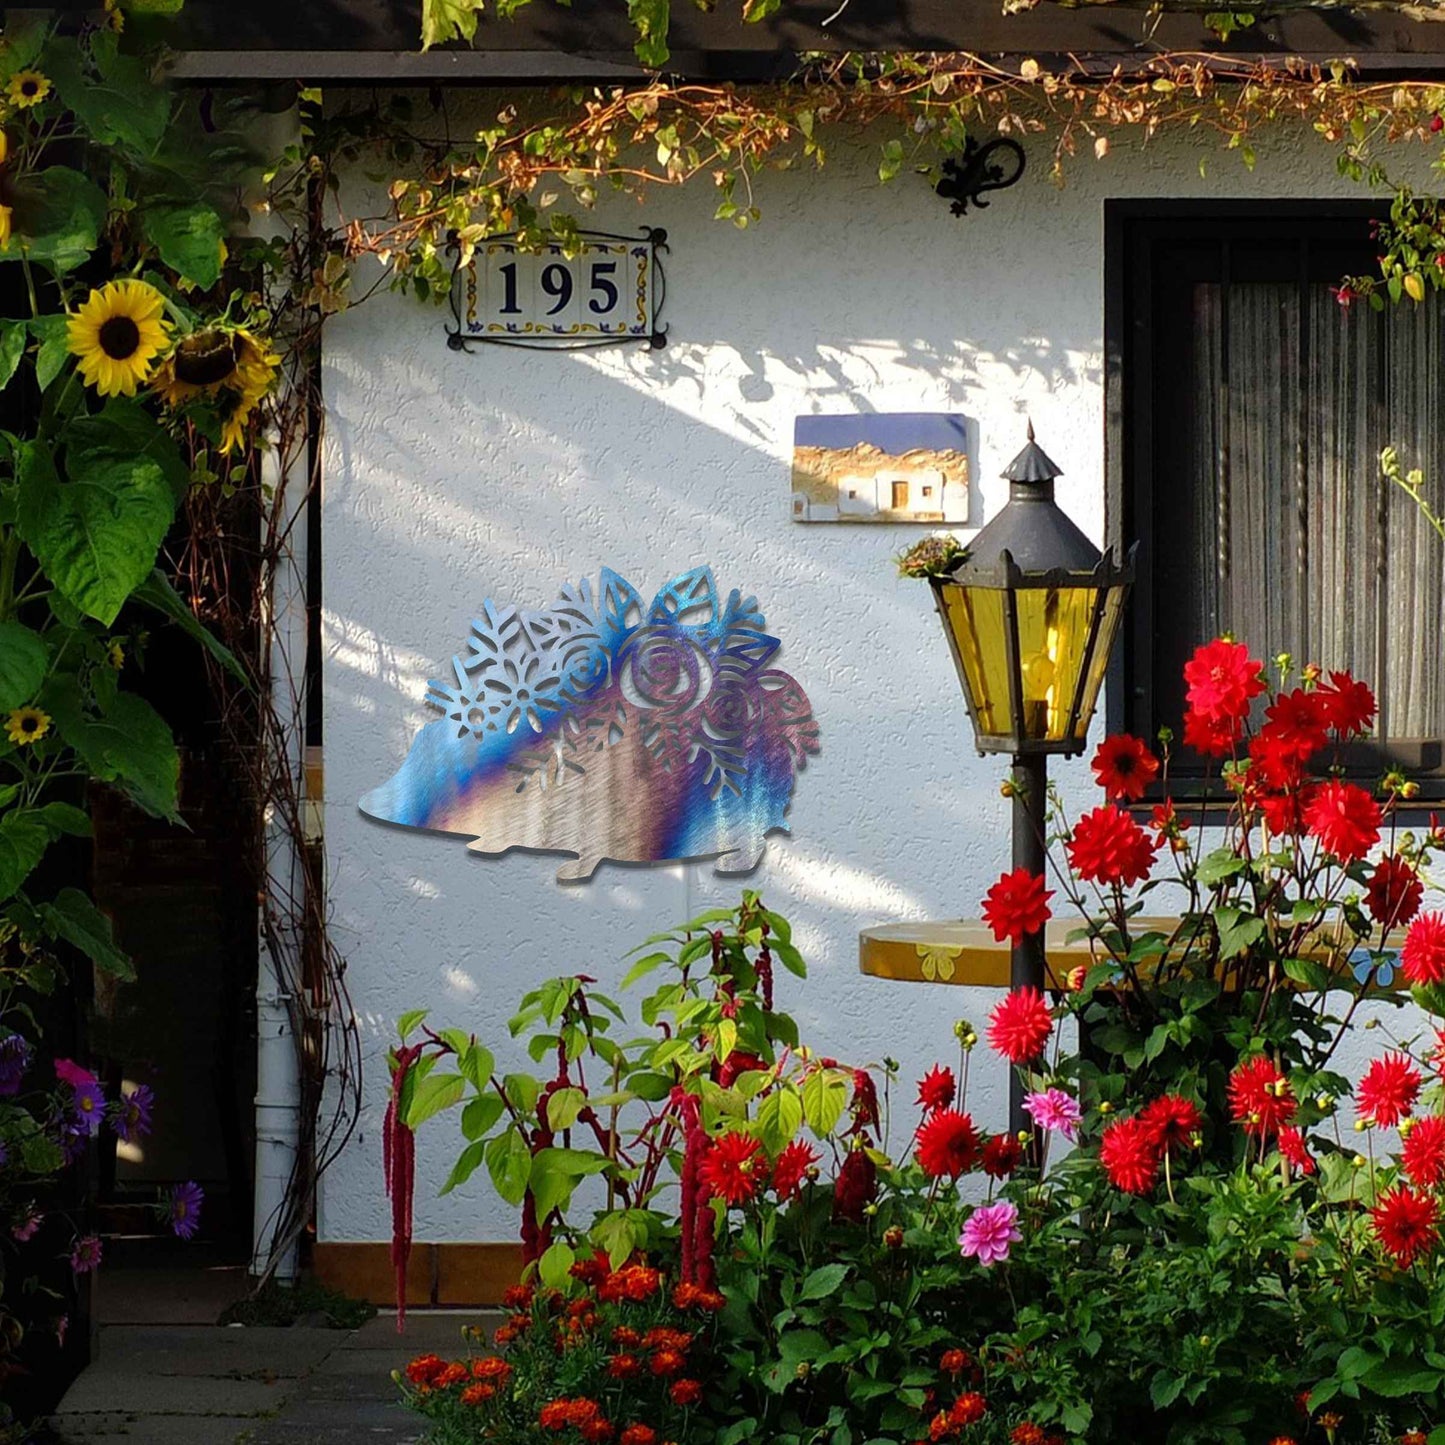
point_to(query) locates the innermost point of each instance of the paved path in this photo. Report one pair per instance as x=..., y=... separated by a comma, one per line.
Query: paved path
x=213, y=1385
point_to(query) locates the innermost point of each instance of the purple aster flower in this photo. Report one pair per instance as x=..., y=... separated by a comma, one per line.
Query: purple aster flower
x=989, y=1232
x=182, y=1211
x=15, y=1056
x=1056, y=1110
x=87, y=1106
x=85, y=1255
x=130, y=1115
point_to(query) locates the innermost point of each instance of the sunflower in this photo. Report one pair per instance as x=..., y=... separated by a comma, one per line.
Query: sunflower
x=233, y=368
x=6, y=212
x=27, y=88
x=256, y=368
x=116, y=335
x=27, y=725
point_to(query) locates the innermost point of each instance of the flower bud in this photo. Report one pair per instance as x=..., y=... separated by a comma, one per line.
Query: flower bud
x=870, y=1210
x=1008, y=788
x=1358, y=1162
x=803, y=1371
x=893, y=1236
x=1106, y=1107
x=1361, y=1125
x=1323, y=1102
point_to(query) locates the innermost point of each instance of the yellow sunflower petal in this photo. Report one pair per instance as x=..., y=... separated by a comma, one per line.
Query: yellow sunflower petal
x=116, y=335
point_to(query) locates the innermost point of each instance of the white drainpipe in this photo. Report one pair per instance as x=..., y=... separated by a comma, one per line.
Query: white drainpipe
x=278, y=1084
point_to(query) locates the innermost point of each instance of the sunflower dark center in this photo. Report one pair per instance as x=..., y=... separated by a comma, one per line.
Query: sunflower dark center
x=206, y=358
x=29, y=87
x=119, y=338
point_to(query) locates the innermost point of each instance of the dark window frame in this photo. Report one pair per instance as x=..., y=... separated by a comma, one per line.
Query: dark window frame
x=1132, y=229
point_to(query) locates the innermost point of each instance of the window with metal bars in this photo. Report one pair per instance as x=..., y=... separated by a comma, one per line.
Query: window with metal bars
x=1247, y=412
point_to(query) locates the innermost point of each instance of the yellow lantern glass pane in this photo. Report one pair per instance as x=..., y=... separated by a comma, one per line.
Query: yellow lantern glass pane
x=1053, y=635
x=1103, y=649
x=976, y=620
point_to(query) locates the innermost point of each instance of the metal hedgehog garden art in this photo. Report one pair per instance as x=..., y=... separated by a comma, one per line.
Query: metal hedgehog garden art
x=607, y=728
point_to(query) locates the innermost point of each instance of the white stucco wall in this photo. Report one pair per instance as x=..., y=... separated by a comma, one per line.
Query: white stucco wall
x=451, y=478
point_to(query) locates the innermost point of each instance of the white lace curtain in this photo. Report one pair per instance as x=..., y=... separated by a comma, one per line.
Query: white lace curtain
x=1304, y=548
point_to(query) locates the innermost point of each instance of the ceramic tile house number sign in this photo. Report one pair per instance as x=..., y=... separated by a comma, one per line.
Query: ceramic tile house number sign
x=607, y=727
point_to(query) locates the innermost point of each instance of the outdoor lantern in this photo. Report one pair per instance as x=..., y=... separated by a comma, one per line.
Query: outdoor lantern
x=1031, y=615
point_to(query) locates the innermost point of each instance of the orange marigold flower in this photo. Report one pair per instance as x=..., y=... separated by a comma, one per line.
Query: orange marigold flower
x=968, y=1409
x=518, y=1296
x=1414, y=1437
x=1027, y=1433
x=1389, y=1089
x=733, y=1167
x=667, y=1362
x=663, y=1338
x=453, y=1374
x=1020, y=1026
x=1124, y=766
x=686, y=1392
x=624, y=1367
x=694, y=1297
x=947, y=1144
x=634, y=1282
x=555, y=1415
x=424, y=1369
x=595, y=1431
x=491, y=1367
x=478, y=1394
x=1260, y=1098
x=1404, y=1223
x=954, y=1362
x=638, y=1435
x=626, y=1336
x=1017, y=905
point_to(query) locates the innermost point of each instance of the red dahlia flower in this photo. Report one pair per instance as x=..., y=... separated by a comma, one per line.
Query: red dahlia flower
x=1292, y=1149
x=1345, y=818
x=1404, y=1223
x=1297, y=724
x=732, y=1168
x=1108, y=846
x=1221, y=679
x=1349, y=706
x=947, y=1144
x=936, y=1089
x=1172, y=1121
x=1002, y=1154
x=1017, y=905
x=1389, y=1090
x=856, y=1186
x=1422, y=955
x=1284, y=814
x=1020, y=1026
x=1422, y=1155
x=1124, y=766
x=1212, y=737
x=1129, y=1156
x=1260, y=1098
x=791, y=1168
x=1394, y=892
x=1276, y=759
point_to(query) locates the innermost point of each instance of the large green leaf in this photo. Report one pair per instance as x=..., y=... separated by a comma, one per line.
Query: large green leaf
x=73, y=917
x=97, y=535
x=509, y=1162
x=13, y=336
x=188, y=239
x=23, y=838
x=433, y=1094
x=157, y=593
x=121, y=104
x=130, y=745
x=443, y=20
x=53, y=349
x=23, y=659
x=59, y=215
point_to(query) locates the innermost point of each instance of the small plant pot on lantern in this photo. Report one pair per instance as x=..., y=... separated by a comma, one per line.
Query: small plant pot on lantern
x=1031, y=614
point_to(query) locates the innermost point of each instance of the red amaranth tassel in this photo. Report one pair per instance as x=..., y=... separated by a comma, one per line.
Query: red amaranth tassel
x=765, y=978
x=398, y=1157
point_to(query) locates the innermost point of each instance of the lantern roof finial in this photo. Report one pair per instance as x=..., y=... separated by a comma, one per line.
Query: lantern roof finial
x=1032, y=464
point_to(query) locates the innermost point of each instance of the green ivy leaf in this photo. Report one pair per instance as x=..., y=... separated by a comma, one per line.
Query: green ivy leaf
x=97, y=535
x=23, y=839
x=188, y=240
x=650, y=18
x=73, y=917
x=23, y=660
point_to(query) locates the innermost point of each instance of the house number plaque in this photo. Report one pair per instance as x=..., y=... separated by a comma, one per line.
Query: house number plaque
x=606, y=292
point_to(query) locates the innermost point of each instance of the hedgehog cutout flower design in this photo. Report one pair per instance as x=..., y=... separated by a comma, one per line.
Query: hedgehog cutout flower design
x=609, y=728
